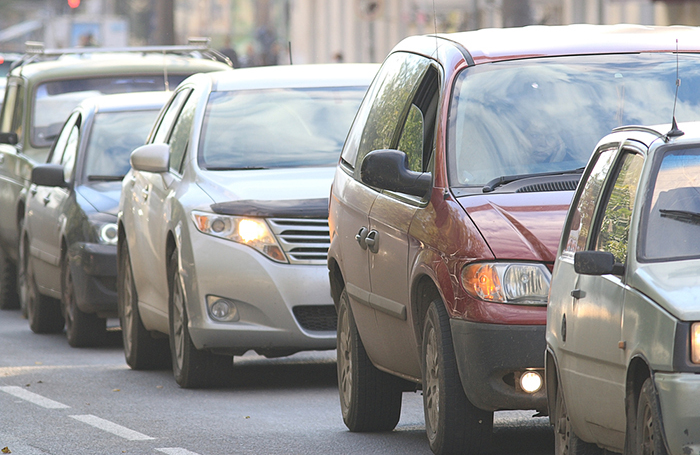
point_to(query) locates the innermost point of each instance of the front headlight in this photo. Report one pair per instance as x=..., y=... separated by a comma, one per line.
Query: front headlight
x=105, y=226
x=695, y=342
x=517, y=283
x=253, y=232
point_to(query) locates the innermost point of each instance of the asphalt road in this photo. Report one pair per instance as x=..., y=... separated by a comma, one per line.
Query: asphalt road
x=55, y=399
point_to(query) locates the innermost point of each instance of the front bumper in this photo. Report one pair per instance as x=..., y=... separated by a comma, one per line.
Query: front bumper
x=266, y=294
x=94, y=269
x=679, y=397
x=490, y=359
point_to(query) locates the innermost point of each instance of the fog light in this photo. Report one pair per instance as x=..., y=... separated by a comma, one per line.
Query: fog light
x=221, y=309
x=531, y=382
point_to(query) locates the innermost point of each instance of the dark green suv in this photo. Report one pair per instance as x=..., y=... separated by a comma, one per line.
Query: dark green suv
x=41, y=92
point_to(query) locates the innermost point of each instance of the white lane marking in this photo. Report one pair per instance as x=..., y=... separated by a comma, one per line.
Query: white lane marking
x=32, y=397
x=176, y=451
x=111, y=427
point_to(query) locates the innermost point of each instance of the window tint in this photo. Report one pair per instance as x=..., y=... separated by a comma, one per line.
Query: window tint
x=179, y=139
x=582, y=217
x=615, y=224
x=166, y=121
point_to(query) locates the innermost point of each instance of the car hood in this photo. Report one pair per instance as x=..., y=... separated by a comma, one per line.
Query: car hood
x=674, y=285
x=267, y=184
x=103, y=196
x=521, y=226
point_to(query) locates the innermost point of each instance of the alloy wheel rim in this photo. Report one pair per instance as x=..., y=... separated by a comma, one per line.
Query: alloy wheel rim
x=344, y=359
x=561, y=427
x=127, y=309
x=70, y=307
x=432, y=386
x=647, y=431
x=178, y=325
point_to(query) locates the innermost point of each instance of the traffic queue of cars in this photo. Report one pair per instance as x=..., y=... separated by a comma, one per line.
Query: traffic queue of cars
x=439, y=254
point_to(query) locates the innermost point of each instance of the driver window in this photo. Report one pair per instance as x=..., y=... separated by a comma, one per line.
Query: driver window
x=60, y=145
x=69, y=155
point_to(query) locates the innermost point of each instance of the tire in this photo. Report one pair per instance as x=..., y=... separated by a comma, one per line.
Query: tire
x=141, y=350
x=370, y=399
x=566, y=442
x=43, y=312
x=192, y=368
x=22, y=284
x=9, y=298
x=648, y=437
x=82, y=329
x=452, y=423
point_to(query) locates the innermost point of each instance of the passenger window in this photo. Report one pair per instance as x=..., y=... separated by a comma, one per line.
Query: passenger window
x=582, y=218
x=615, y=224
x=56, y=154
x=167, y=119
x=179, y=138
x=411, y=141
x=417, y=136
x=68, y=160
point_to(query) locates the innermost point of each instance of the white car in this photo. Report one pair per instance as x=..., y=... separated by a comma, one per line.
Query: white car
x=223, y=229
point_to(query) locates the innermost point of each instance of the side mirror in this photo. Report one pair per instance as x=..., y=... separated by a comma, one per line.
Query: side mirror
x=9, y=138
x=597, y=263
x=48, y=175
x=151, y=158
x=388, y=170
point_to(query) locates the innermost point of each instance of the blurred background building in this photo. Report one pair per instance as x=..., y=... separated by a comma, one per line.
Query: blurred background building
x=263, y=32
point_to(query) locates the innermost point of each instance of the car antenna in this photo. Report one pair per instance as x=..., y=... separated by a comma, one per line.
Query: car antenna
x=675, y=132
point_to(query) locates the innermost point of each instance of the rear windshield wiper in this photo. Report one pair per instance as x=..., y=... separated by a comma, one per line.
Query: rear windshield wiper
x=105, y=178
x=681, y=215
x=502, y=180
x=234, y=168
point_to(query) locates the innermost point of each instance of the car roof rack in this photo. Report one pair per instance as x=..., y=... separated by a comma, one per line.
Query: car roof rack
x=197, y=47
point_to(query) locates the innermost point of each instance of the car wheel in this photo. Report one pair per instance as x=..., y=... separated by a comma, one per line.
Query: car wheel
x=9, y=299
x=452, y=423
x=370, y=399
x=22, y=284
x=648, y=438
x=82, y=329
x=566, y=442
x=141, y=350
x=192, y=368
x=44, y=313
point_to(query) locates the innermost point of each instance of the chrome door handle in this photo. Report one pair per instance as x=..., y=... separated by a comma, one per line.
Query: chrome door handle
x=144, y=193
x=361, y=236
x=578, y=294
x=33, y=191
x=47, y=199
x=372, y=241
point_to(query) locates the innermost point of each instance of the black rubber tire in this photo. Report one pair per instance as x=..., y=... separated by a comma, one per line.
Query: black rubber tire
x=44, y=313
x=9, y=297
x=82, y=329
x=22, y=284
x=141, y=350
x=452, y=423
x=192, y=368
x=370, y=399
x=648, y=437
x=566, y=442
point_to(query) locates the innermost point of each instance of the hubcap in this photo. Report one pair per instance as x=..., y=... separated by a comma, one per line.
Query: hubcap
x=432, y=383
x=178, y=326
x=561, y=428
x=344, y=358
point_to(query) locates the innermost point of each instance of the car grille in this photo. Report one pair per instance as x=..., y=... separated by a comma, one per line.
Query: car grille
x=305, y=241
x=321, y=318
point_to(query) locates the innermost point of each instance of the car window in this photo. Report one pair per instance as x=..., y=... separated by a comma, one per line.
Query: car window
x=112, y=138
x=277, y=128
x=56, y=154
x=70, y=153
x=582, y=216
x=545, y=114
x=672, y=209
x=179, y=139
x=614, y=227
x=166, y=120
x=13, y=109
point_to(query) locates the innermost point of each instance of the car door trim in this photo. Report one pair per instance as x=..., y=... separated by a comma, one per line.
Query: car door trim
x=387, y=306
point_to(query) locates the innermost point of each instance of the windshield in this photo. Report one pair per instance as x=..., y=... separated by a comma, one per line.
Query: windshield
x=277, y=128
x=113, y=136
x=547, y=114
x=673, y=208
x=54, y=101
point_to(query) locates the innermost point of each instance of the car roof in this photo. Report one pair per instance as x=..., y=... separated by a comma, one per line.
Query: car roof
x=490, y=45
x=126, y=101
x=115, y=64
x=295, y=76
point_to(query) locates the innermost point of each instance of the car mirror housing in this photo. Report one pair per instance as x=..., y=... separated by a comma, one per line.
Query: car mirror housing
x=597, y=263
x=9, y=138
x=48, y=175
x=151, y=158
x=388, y=170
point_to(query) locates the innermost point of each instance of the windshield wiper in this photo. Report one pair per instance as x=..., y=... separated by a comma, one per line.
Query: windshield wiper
x=232, y=168
x=502, y=180
x=105, y=178
x=681, y=215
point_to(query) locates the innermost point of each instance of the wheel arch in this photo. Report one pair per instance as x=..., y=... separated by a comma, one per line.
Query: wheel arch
x=337, y=282
x=638, y=371
x=423, y=292
x=551, y=381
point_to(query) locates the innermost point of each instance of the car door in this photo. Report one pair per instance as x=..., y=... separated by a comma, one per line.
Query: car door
x=597, y=373
x=390, y=220
x=45, y=207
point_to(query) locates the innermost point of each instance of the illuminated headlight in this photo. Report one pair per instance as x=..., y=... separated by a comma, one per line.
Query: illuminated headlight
x=221, y=309
x=518, y=283
x=253, y=232
x=531, y=381
x=106, y=228
x=695, y=342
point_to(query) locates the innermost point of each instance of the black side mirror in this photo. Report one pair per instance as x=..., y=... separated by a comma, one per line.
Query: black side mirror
x=388, y=170
x=9, y=138
x=48, y=175
x=597, y=263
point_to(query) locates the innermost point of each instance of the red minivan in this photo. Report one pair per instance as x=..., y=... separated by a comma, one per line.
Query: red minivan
x=448, y=204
